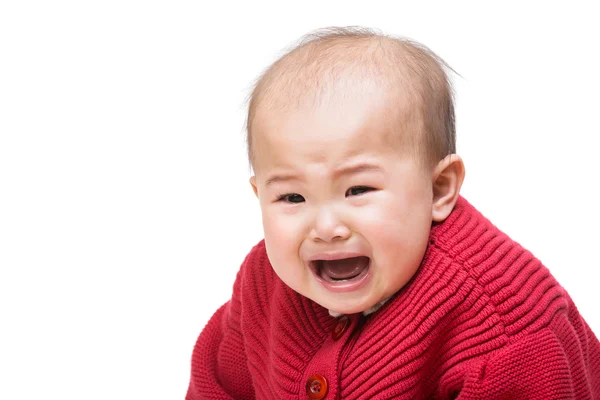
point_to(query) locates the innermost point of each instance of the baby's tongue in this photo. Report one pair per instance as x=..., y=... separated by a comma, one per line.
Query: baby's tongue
x=346, y=268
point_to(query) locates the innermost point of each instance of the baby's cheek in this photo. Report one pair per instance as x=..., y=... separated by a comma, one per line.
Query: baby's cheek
x=400, y=238
x=280, y=233
x=282, y=243
x=384, y=225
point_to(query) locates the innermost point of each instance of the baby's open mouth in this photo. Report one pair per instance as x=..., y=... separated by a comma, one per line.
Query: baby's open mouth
x=345, y=269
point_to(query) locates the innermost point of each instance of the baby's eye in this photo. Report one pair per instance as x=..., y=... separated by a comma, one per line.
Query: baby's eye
x=356, y=190
x=291, y=198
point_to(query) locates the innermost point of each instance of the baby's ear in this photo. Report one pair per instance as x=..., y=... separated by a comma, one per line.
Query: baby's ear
x=448, y=177
x=253, y=184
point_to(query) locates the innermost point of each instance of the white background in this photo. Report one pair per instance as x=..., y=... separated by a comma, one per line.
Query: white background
x=125, y=210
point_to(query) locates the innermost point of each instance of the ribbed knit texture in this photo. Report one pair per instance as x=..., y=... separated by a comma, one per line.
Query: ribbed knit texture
x=481, y=319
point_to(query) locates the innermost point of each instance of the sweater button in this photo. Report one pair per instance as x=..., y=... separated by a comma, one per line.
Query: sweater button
x=316, y=387
x=341, y=327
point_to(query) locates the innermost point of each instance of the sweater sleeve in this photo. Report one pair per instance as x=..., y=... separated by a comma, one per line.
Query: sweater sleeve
x=561, y=361
x=219, y=364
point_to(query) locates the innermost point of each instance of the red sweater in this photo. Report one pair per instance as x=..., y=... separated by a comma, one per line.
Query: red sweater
x=481, y=319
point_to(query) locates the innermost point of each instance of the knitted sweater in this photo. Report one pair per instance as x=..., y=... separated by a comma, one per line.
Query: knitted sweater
x=481, y=319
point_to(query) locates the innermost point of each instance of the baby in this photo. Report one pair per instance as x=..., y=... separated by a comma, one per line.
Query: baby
x=376, y=279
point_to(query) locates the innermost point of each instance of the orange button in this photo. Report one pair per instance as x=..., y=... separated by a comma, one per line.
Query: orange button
x=341, y=327
x=316, y=387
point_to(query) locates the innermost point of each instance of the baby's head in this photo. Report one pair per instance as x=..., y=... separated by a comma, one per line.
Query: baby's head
x=351, y=139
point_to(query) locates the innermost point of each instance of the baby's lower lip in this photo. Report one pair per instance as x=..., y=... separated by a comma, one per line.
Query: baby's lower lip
x=347, y=285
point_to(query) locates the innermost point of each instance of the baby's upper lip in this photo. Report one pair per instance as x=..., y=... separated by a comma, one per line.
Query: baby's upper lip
x=335, y=255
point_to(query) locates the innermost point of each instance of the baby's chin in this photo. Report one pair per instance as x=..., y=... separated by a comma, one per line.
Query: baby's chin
x=346, y=308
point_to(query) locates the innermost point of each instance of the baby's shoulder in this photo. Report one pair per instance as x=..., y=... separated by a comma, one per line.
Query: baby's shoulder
x=523, y=292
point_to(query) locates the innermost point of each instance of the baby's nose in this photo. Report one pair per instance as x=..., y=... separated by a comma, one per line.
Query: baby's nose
x=329, y=227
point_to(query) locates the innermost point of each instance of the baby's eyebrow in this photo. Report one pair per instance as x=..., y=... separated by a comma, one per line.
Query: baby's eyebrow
x=345, y=170
x=280, y=178
x=354, y=169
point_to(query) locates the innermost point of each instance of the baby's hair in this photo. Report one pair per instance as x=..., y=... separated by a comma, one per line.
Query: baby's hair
x=330, y=56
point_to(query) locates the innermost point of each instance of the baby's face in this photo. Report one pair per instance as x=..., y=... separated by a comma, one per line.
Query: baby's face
x=346, y=215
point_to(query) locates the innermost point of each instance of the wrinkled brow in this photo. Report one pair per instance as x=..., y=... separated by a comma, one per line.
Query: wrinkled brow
x=356, y=168
x=280, y=178
x=343, y=171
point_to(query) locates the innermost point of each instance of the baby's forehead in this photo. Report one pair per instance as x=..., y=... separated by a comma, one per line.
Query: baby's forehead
x=334, y=132
x=377, y=110
x=322, y=72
